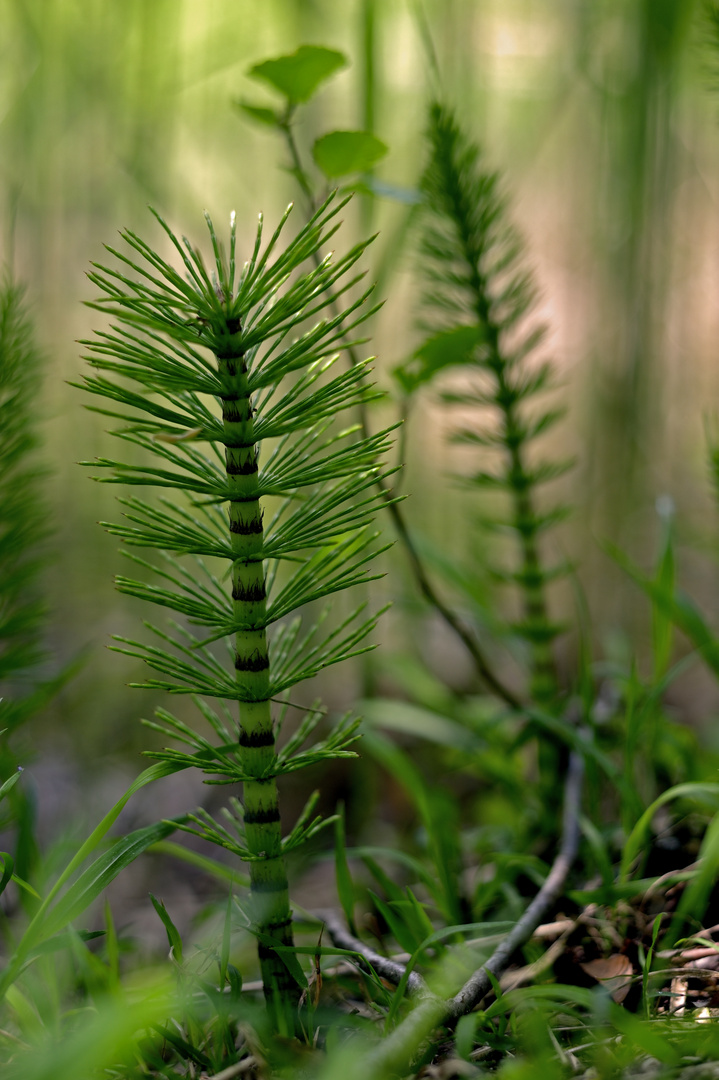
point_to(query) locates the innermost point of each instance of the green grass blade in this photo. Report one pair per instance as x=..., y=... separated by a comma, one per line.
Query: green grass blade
x=173, y=934
x=37, y=930
x=694, y=900
x=345, y=885
x=98, y=875
x=637, y=838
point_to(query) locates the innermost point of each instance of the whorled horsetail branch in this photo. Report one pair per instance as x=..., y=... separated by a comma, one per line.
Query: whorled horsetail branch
x=198, y=364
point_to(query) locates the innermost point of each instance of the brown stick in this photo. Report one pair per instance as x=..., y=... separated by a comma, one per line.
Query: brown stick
x=368, y=959
x=452, y=620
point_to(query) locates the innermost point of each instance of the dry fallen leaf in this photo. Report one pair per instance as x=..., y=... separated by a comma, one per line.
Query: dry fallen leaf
x=614, y=972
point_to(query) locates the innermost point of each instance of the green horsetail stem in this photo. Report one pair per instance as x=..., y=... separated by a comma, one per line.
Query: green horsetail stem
x=536, y=626
x=268, y=876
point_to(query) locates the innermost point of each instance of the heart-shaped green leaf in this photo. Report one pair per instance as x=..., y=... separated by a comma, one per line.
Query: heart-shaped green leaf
x=298, y=75
x=340, y=153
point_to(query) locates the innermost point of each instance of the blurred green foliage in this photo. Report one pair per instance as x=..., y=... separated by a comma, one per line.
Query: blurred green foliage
x=603, y=116
x=598, y=112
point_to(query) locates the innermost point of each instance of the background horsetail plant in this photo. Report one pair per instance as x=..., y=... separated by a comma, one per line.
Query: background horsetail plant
x=205, y=356
x=480, y=297
x=21, y=518
x=23, y=558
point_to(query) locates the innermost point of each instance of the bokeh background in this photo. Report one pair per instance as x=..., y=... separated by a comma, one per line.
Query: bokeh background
x=603, y=117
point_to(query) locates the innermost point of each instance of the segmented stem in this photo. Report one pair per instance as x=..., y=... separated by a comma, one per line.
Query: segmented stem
x=269, y=889
x=537, y=628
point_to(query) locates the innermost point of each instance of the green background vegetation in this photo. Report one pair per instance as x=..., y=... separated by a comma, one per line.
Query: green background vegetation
x=603, y=118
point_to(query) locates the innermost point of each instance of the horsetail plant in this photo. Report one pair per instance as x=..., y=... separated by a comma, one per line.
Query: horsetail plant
x=233, y=392
x=22, y=518
x=480, y=296
x=23, y=558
